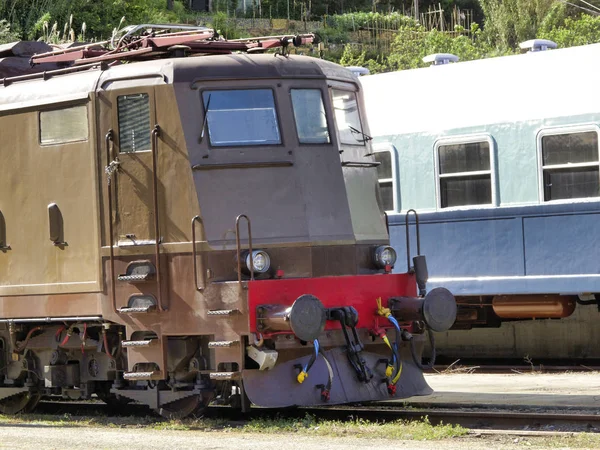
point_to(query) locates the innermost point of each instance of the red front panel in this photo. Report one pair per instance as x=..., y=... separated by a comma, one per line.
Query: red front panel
x=359, y=291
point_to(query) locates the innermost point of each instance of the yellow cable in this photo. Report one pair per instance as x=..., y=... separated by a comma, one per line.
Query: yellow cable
x=302, y=376
x=381, y=310
x=397, y=377
x=389, y=370
x=387, y=341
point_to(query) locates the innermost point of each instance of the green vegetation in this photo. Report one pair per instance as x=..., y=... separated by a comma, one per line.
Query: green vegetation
x=378, y=35
x=309, y=425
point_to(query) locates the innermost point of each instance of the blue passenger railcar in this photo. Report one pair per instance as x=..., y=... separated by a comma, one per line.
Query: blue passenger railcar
x=500, y=157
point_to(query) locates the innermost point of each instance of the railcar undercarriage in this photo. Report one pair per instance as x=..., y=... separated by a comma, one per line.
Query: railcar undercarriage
x=76, y=359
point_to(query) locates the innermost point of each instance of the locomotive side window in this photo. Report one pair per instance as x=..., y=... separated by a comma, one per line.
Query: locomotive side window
x=569, y=164
x=241, y=117
x=134, y=123
x=64, y=125
x=309, y=113
x=385, y=178
x=347, y=117
x=464, y=172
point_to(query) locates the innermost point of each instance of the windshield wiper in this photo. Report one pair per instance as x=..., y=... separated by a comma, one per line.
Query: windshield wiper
x=366, y=137
x=205, y=117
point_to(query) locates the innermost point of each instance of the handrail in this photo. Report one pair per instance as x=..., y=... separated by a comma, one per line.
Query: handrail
x=408, y=236
x=197, y=219
x=237, y=243
x=154, y=138
x=107, y=140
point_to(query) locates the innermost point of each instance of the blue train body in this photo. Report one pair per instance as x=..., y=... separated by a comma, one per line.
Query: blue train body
x=501, y=158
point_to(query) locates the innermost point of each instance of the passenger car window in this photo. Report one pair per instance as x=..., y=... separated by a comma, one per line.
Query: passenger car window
x=64, y=125
x=570, y=163
x=347, y=117
x=464, y=174
x=310, y=117
x=241, y=117
x=386, y=182
x=134, y=123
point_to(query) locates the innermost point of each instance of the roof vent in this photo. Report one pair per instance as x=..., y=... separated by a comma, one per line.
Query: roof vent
x=358, y=71
x=537, y=45
x=439, y=59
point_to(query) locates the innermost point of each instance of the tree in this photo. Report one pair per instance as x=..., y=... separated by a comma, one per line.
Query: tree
x=509, y=22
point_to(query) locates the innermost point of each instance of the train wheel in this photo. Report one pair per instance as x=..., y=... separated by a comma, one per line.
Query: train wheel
x=193, y=405
x=22, y=402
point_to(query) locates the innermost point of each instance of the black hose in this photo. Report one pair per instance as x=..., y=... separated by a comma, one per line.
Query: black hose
x=416, y=360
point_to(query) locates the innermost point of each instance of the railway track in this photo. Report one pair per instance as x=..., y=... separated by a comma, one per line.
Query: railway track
x=480, y=419
x=500, y=418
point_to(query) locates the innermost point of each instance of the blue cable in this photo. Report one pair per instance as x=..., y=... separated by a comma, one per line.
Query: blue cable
x=316, y=344
x=395, y=323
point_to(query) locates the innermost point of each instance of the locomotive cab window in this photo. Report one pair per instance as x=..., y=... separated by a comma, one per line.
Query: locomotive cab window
x=569, y=164
x=347, y=117
x=60, y=126
x=310, y=117
x=465, y=173
x=241, y=117
x=134, y=123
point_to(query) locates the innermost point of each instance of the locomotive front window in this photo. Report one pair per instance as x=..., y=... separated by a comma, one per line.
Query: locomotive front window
x=241, y=117
x=570, y=163
x=309, y=113
x=464, y=174
x=347, y=117
x=134, y=123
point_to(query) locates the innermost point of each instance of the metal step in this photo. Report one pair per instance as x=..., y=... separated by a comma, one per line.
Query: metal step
x=144, y=343
x=135, y=376
x=138, y=272
x=223, y=312
x=138, y=309
x=223, y=344
x=136, y=278
x=225, y=376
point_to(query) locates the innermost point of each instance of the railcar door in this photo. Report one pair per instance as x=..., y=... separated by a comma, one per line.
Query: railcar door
x=129, y=120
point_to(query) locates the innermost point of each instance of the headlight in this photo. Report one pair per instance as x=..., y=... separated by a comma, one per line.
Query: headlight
x=260, y=261
x=384, y=256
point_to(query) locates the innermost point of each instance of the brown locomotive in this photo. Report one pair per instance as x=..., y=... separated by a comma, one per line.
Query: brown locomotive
x=180, y=230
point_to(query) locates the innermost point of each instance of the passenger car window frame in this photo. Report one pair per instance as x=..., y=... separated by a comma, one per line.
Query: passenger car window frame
x=54, y=108
x=390, y=148
x=461, y=140
x=204, y=123
x=327, y=117
x=563, y=130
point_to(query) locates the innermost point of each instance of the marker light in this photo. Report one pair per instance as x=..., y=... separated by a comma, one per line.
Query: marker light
x=384, y=256
x=260, y=261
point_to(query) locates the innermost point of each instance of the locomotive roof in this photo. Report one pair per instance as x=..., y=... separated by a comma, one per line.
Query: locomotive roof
x=78, y=85
x=531, y=86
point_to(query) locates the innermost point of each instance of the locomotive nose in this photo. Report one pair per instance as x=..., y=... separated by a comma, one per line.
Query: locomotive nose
x=437, y=309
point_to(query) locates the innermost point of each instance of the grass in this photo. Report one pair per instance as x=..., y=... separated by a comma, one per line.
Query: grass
x=308, y=425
